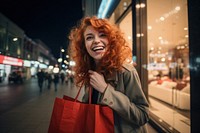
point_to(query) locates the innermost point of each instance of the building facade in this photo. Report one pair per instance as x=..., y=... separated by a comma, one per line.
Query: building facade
x=11, y=47
x=19, y=52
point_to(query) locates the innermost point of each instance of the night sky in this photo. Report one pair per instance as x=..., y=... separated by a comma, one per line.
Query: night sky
x=47, y=20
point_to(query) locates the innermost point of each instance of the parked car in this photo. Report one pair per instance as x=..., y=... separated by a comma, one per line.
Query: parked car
x=15, y=77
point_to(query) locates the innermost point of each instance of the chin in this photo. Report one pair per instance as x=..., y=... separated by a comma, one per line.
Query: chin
x=97, y=59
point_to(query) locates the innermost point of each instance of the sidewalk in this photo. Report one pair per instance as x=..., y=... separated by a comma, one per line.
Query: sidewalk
x=34, y=115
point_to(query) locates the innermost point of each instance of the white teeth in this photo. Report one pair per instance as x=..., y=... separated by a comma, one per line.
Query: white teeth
x=98, y=48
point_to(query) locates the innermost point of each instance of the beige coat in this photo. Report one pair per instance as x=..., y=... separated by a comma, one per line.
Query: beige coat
x=125, y=96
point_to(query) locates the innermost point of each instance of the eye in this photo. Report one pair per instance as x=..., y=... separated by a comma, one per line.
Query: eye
x=101, y=34
x=88, y=38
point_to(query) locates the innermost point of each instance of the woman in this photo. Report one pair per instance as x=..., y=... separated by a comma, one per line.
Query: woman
x=102, y=59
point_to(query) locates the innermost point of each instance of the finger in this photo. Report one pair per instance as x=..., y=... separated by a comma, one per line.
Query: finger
x=90, y=71
x=91, y=83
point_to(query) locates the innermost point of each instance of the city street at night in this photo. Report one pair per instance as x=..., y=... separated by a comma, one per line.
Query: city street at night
x=12, y=95
x=24, y=109
x=93, y=42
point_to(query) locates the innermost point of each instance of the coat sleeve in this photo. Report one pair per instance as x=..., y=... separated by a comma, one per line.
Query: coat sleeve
x=131, y=104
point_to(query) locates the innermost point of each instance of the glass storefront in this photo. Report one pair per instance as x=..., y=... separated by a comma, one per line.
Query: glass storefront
x=168, y=63
x=124, y=24
x=4, y=72
x=165, y=33
x=126, y=27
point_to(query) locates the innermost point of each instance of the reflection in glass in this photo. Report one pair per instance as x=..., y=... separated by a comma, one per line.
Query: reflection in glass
x=168, y=57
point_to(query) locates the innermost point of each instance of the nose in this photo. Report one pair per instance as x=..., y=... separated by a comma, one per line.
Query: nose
x=96, y=40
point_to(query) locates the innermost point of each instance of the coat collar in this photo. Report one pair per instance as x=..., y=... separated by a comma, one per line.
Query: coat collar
x=113, y=79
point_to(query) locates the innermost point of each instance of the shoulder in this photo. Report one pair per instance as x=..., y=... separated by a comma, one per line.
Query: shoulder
x=130, y=75
x=127, y=67
x=129, y=71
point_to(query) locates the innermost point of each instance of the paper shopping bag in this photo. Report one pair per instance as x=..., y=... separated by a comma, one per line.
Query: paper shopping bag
x=72, y=116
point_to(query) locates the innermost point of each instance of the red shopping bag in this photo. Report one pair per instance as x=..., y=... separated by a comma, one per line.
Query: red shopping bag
x=72, y=116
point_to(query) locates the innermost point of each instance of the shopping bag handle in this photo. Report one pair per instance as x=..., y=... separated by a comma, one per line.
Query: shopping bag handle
x=90, y=93
x=79, y=91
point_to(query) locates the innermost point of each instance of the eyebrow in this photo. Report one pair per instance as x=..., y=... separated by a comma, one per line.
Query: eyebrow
x=88, y=34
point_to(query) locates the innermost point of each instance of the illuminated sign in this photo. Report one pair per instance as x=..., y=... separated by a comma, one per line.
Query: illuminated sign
x=27, y=63
x=10, y=61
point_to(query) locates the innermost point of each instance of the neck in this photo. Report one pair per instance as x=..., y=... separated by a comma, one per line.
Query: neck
x=96, y=62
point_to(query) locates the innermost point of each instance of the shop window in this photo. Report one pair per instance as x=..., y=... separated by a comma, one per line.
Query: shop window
x=14, y=46
x=168, y=63
x=2, y=38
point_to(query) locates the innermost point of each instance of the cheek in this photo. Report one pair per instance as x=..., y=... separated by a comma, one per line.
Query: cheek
x=87, y=46
x=88, y=50
x=106, y=41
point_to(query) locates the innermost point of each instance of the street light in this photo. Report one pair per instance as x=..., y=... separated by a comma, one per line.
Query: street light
x=55, y=70
x=62, y=50
x=60, y=60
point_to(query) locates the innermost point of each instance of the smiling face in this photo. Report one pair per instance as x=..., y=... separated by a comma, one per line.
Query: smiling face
x=95, y=43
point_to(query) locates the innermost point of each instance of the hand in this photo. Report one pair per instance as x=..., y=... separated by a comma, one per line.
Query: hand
x=97, y=81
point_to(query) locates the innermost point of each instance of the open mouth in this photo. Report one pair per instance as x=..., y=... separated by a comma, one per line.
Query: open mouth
x=98, y=48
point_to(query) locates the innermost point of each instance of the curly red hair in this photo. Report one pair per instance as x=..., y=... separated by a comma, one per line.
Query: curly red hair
x=113, y=59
